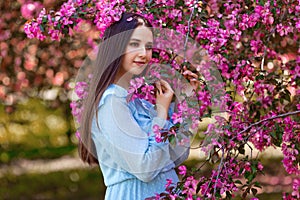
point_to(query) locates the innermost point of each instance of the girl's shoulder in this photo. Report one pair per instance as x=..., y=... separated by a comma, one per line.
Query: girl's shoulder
x=113, y=90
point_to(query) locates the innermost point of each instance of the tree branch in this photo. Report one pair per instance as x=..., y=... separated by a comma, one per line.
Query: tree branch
x=270, y=118
x=188, y=31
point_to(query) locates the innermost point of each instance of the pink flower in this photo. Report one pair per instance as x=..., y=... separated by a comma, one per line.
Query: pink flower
x=210, y=129
x=283, y=29
x=247, y=167
x=296, y=188
x=77, y=134
x=260, y=166
x=135, y=84
x=256, y=46
x=54, y=34
x=182, y=170
x=169, y=182
x=81, y=89
x=190, y=186
x=142, y=2
x=156, y=131
x=28, y=10
x=148, y=90
x=177, y=118
x=298, y=24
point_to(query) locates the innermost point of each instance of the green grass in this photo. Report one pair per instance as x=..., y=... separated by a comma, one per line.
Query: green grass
x=71, y=184
x=19, y=151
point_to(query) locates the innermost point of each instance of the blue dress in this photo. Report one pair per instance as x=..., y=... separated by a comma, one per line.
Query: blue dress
x=133, y=164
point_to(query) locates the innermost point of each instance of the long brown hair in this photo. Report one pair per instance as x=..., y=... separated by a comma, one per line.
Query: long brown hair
x=108, y=61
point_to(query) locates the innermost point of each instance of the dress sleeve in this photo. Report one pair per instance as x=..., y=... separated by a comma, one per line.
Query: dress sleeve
x=144, y=112
x=130, y=147
x=179, y=153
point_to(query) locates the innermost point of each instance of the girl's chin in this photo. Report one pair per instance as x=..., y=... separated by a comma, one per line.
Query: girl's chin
x=138, y=70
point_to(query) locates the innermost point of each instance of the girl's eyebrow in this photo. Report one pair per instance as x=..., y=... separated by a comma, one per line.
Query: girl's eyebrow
x=134, y=39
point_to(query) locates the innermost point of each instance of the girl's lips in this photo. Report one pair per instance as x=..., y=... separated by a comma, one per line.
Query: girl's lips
x=139, y=63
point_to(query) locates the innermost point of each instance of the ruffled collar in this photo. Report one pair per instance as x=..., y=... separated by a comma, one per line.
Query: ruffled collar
x=118, y=90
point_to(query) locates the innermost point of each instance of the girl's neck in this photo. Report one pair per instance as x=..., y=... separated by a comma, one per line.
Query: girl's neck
x=123, y=81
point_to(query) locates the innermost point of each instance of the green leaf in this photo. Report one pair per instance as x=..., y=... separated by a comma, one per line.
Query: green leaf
x=133, y=6
x=45, y=20
x=42, y=28
x=228, y=195
x=241, y=149
x=254, y=191
x=297, y=81
x=260, y=77
x=198, y=187
x=287, y=95
x=277, y=135
x=261, y=2
x=257, y=26
x=245, y=193
x=238, y=182
x=218, y=195
x=254, y=168
x=241, y=170
x=65, y=30
x=58, y=26
x=227, y=127
x=257, y=184
x=172, y=139
x=249, y=176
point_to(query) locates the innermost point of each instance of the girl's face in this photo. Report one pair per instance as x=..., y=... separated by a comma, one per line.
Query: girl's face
x=138, y=51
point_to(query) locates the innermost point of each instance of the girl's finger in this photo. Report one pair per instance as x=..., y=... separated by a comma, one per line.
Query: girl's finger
x=189, y=73
x=158, y=86
x=166, y=85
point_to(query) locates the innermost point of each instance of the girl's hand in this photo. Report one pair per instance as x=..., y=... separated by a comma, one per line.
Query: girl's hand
x=192, y=77
x=164, y=94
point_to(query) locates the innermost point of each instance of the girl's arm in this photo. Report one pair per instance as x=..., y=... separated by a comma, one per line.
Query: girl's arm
x=129, y=146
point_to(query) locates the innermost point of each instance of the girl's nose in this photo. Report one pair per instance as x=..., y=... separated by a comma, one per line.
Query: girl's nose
x=142, y=51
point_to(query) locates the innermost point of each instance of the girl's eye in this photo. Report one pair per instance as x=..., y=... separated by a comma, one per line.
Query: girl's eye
x=149, y=47
x=134, y=44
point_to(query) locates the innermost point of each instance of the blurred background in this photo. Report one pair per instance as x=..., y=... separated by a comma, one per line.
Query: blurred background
x=38, y=149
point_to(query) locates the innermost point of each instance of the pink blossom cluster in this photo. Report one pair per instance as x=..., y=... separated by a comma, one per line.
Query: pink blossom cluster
x=33, y=30
x=290, y=139
x=296, y=191
x=69, y=16
x=225, y=181
x=140, y=89
x=107, y=13
x=135, y=84
x=190, y=186
x=81, y=89
x=296, y=188
x=55, y=23
x=157, y=132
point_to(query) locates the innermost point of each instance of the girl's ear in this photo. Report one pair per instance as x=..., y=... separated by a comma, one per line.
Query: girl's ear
x=141, y=22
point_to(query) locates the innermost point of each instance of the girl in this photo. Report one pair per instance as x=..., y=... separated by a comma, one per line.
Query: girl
x=117, y=134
